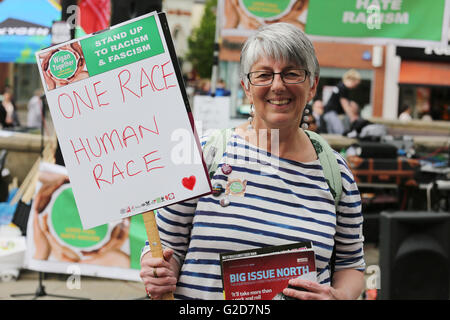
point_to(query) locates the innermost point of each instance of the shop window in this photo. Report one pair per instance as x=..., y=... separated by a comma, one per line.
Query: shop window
x=426, y=100
x=26, y=81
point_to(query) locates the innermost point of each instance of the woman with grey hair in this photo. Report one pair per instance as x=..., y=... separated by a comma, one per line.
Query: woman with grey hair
x=269, y=188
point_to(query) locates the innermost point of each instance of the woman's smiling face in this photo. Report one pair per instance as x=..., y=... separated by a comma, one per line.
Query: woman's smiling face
x=278, y=105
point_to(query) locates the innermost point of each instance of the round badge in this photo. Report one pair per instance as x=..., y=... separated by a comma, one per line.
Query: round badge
x=224, y=202
x=218, y=189
x=226, y=169
x=236, y=187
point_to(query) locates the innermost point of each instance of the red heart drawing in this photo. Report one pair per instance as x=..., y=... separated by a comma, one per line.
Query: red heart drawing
x=189, y=183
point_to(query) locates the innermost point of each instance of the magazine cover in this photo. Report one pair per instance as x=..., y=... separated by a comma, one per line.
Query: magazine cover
x=263, y=273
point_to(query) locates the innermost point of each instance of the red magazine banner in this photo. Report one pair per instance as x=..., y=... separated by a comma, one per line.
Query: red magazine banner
x=262, y=274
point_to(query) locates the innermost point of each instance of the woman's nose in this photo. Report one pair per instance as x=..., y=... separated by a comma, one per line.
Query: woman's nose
x=277, y=82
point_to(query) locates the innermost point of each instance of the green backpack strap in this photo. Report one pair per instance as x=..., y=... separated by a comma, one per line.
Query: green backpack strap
x=332, y=175
x=329, y=164
x=214, y=149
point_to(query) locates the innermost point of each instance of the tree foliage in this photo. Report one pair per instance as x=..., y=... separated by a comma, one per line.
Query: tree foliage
x=201, y=41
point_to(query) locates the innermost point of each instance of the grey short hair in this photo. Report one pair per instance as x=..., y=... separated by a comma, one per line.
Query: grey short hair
x=279, y=41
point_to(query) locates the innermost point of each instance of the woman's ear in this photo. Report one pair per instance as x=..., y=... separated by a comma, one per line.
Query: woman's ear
x=313, y=89
x=247, y=91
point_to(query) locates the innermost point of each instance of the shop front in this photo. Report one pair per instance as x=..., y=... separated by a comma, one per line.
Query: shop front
x=424, y=82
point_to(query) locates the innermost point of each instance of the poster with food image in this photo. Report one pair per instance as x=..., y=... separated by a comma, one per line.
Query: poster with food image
x=239, y=19
x=123, y=121
x=244, y=17
x=57, y=242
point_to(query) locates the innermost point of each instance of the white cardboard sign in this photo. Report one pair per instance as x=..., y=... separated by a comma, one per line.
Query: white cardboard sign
x=122, y=118
x=213, y=112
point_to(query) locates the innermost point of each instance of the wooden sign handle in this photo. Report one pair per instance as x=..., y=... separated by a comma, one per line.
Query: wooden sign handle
x=154, y=241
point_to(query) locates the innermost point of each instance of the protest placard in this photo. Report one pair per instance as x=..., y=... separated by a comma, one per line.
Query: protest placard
x=123, y=121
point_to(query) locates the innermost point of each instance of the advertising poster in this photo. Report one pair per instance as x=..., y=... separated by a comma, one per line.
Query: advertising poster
x=238, y=19
x=262, y=274
x=411, y=23
x=123, y=121
x=243, y=17
x=57, y=242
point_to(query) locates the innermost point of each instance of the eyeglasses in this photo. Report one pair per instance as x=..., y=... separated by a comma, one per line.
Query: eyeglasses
x=265, y=78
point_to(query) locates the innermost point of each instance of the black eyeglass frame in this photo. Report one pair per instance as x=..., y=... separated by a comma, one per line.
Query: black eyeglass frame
x=273, y=77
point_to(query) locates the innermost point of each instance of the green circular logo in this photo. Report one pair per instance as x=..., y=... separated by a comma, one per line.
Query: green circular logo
x=236, y=187
x=63, y=64
x=266, y=9
x=67, y=224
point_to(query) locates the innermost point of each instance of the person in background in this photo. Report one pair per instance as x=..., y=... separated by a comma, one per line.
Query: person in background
x=221, y=90
x=353, y=122
x=34, y=116
x=8, y=110
x=352, y=116
x=279, y=75
x=204, y=87
x=339, y=102
x=317, y=112
x=405, y=114
x=426, y=117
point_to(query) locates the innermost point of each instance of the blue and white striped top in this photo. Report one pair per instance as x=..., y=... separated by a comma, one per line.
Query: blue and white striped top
x=284, y=202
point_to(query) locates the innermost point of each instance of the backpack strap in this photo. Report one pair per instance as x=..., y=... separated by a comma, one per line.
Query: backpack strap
x=215, y=148
x=329, y=164
x=332, y=175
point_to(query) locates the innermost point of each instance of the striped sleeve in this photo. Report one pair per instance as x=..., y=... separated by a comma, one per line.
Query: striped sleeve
x=174, y=226
x=349, y=238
